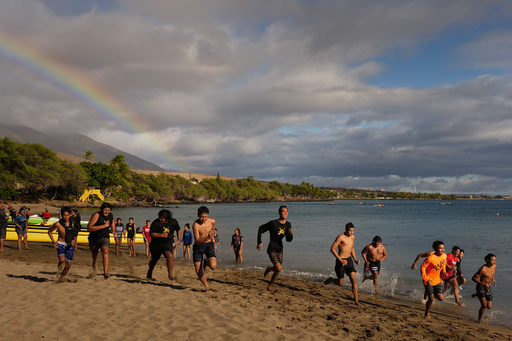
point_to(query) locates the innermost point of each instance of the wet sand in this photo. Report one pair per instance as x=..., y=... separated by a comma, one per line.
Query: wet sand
x=238, y=307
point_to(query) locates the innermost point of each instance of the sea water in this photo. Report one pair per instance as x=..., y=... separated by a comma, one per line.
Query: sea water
x=407, y=228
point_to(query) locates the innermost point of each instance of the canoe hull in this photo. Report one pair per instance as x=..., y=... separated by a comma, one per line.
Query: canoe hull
x=39, y=234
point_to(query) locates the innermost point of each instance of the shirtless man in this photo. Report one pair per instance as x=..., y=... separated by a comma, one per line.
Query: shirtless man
x=483, y=284
x=204, y=230
x=66, y=241
x=373, y=254
x=431, y=269
x=343, y=250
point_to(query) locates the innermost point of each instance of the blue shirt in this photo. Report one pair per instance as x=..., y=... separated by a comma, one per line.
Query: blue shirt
x=187, y=237
x=21, y=220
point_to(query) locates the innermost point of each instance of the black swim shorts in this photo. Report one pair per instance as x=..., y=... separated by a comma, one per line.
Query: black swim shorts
x=158, y=249
x=482, y=292
x=208, y=249
x=341, y=269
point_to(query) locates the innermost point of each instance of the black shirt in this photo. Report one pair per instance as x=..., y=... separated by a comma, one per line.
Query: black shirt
x=277, y=232
x=169, y=227
x=104, y=232
x=71, y=230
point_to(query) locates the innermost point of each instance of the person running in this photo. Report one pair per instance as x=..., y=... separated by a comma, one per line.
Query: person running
x=100, y=224
x=483, y=279
x=237, y=244
x=162, y=240
x=278, y=229
x=343, y=250
x=461, y=280
x=450, y=276
x=130, y=237
x=21, y=228
x=431, y=269
x=216, y=241
x=146, y=236
x=373, y=254
x=204, y=231
x=187, y=240
x=66, y=241
x=421, y=255
x=3, y=225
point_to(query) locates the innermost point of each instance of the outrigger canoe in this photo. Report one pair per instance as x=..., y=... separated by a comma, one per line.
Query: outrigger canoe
x=38, y=233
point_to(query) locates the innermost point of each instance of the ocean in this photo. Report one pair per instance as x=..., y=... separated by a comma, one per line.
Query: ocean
x=407, y=228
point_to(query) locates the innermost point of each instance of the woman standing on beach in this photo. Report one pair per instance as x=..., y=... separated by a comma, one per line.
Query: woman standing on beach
x=187, y=240
x=146, y=236
x=21, y=228
x=131, y=229
x=120, y=233
x=237, y=244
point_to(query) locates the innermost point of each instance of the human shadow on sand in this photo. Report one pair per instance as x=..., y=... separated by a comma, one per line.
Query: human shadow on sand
x=30, y=278
x=136, y=280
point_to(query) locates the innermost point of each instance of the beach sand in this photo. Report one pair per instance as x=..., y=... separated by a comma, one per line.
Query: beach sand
x=238, y=307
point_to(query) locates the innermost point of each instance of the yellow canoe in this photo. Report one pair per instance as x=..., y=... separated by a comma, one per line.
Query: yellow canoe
x=37, y=233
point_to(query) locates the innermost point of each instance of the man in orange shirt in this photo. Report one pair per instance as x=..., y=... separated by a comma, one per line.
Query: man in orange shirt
x=431, y=275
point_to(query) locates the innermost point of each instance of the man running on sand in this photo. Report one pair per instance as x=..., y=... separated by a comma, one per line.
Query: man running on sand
x=66, y=241
x=431, y=269
x=483, y=279
x=204, y=230
x=343, y=250
x=162, y=240
x=99, y=228
x=278, y=229
x=373, y=254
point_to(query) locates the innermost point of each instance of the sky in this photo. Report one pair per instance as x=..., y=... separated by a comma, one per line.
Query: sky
x=392, y=95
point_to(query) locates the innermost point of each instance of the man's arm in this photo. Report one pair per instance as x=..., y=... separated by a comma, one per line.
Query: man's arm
x=363, y=254
x=421, y=255
x=178, y=242
x=334, y=246
x=354, y=255
x=262, y=229
x=476, y=278
x=289, y=234
x=423, y=270
x=50, y=234
x=94, y=220
x=384, y=253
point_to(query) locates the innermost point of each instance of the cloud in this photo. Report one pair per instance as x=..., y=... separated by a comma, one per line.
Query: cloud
x=275, y=90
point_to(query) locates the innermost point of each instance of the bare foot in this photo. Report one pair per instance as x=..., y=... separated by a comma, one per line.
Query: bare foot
x=427, y=316
x=460, y=304
x=92, y=273
x=106, y=276
x=151, y=279
x=269, y=288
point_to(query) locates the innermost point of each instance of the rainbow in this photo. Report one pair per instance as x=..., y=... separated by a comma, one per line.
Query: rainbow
x=80, y=86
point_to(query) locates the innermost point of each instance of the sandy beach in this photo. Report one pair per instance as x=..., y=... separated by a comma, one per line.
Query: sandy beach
x=238, y=307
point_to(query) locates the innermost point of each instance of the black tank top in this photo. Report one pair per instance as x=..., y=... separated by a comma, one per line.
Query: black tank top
x=104, y=232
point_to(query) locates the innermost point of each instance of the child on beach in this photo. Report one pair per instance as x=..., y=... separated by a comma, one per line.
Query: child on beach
x=237, y=245
x=146, y=236
x=130, y=239
x=120, y=233
x=21, y=228
x=187, y=241
x=483, y=279
x=431, y=269
x=65, y=242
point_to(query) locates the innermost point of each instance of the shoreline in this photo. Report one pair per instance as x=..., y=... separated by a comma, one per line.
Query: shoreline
x=238, y=306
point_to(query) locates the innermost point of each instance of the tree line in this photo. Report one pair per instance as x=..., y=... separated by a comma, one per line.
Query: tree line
x=34, y=171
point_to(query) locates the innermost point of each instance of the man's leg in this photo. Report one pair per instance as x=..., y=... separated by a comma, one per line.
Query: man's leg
x=106, y=260
x=455, y=285
x=352, y=277
x=170, y=263
x=198, y=266
x=276, y=269
x=428, y=305
x=483, y=305
x=376, y=282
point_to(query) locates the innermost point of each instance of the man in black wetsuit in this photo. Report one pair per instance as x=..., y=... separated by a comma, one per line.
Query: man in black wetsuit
x=278, y=229
x=99, y=227
x=162, y=238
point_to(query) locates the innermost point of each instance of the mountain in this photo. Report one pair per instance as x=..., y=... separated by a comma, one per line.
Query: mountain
x=76, y=145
